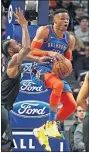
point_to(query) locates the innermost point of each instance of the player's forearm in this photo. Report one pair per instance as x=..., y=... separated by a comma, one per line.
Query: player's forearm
x=36, y=44
x=22, y=54
x=38, y=52
x=68, y=55
x=32, y=58
x=25, y=37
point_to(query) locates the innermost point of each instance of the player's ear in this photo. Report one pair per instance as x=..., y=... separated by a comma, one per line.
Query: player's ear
x=54, y=20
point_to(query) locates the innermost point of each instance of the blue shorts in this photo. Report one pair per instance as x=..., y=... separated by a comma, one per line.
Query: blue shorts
x=66, y=86
x=38, y=82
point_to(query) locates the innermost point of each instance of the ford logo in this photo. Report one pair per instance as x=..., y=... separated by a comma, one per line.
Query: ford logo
x=28, y=86
x=31, y=109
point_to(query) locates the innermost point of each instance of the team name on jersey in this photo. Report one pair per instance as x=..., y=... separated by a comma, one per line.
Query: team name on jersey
x=57, y=46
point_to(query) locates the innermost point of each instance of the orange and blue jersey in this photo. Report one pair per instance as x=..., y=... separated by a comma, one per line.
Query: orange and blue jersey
x=59, y=45
x=53, y=43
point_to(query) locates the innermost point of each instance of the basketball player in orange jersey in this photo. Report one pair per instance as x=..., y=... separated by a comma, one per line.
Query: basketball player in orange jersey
x=54, y=38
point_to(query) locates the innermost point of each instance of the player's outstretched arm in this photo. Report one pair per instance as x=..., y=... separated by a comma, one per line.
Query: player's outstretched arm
x=42, y=33
x=13, y=65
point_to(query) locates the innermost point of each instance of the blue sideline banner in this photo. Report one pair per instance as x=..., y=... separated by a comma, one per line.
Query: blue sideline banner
x=26, y=142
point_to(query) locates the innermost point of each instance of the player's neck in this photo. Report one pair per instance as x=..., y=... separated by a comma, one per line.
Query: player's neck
x=58, y=32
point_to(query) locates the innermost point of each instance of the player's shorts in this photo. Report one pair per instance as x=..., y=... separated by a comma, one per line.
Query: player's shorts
x=6, y=132
x=48, y=75
x=66, y=86
x=52, y=77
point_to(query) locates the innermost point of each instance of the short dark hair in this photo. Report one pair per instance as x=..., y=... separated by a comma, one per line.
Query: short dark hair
x=83, y=17
x=5, y=45
x=61, y=10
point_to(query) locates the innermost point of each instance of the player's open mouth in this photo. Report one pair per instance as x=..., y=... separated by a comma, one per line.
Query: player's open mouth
x=65, y=25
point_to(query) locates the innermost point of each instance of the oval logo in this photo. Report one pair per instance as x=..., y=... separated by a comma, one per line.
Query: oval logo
x=28, y=86
x=31, y=109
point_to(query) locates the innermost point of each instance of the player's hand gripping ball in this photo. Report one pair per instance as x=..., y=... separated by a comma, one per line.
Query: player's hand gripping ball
x=62, y=67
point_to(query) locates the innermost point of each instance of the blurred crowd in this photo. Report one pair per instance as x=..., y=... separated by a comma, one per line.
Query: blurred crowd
x=76, y=133
x=79, y=27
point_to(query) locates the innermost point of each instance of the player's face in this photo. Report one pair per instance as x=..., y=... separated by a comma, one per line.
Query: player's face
x=16, y=47
x=61, y=21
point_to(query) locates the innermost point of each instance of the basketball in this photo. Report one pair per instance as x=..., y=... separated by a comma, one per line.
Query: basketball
x=62, y=68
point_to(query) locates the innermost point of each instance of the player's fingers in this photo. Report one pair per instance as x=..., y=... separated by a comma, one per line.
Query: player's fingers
x=22, y=12
x=19, y=10
x=15, y=15
x=16, y=10
x=17, y=20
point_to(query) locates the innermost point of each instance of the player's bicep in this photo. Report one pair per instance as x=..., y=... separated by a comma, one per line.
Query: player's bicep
x=41, y=34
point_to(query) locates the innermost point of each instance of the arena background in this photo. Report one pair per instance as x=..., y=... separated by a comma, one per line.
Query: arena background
x=32, y=96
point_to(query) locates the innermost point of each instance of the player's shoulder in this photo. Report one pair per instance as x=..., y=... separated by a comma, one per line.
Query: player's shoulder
x=71, y=36
x=43, y=29
x=42, y=33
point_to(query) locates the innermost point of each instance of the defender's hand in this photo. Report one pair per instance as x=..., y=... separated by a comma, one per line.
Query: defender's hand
x=20, y=17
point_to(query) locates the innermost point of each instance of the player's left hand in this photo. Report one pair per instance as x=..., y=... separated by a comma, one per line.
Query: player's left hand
x=59, y=57
x=20, y=17
x=56, y=56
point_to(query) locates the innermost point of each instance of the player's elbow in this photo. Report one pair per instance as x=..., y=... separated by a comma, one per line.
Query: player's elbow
x=28, y=49
x=79, y=100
